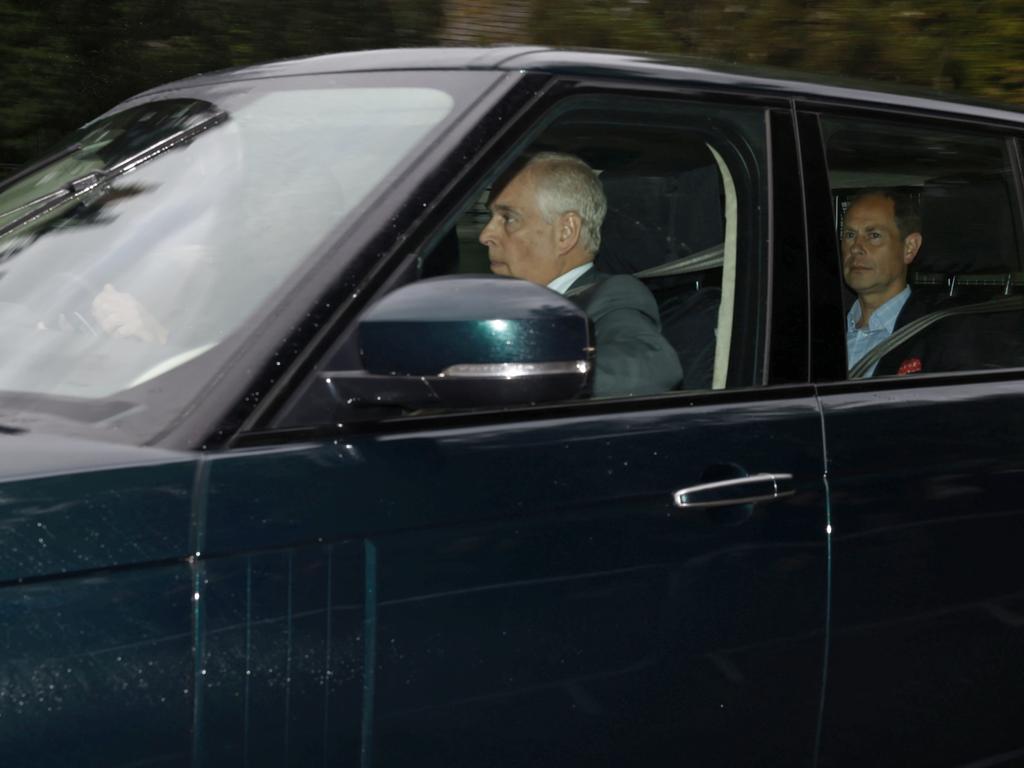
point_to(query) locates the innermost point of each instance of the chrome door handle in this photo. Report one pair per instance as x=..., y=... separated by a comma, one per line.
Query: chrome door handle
x=740, y=490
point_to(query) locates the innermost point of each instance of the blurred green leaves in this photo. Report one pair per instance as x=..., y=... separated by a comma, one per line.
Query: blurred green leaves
x=64, y=61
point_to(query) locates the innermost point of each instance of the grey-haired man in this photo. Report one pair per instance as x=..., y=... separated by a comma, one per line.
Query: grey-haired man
x=545, y=227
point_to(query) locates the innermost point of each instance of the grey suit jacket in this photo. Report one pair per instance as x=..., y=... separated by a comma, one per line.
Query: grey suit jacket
x=633, y=358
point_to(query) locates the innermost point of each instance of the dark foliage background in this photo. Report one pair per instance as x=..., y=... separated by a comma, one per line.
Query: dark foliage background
x=64, y=61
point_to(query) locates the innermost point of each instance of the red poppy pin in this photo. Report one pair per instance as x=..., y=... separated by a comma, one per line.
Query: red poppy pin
x=910, y=365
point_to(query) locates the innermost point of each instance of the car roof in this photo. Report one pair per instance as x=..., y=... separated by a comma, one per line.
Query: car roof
x=680, y=71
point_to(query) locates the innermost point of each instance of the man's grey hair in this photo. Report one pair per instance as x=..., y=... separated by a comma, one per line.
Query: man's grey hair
x=565, y=183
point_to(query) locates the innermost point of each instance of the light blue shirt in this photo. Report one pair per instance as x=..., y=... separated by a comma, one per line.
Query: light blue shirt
x=563, y=282
x=860, y=341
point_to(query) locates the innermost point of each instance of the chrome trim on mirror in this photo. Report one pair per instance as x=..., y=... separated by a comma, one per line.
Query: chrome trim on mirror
x=512, y=370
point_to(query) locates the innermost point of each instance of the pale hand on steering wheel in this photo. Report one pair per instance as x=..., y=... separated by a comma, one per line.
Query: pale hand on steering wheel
x=121, y=314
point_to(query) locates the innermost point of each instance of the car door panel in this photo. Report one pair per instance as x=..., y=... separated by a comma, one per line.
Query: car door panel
x=537, y=573
x=280, y=657
x=927, y=596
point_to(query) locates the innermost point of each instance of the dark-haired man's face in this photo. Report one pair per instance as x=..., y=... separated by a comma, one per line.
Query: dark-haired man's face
x=875, y=257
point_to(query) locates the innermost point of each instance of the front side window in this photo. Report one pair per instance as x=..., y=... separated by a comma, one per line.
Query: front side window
x=667, y=259
x=156, y=232
x=684, y=187
x=929, y=234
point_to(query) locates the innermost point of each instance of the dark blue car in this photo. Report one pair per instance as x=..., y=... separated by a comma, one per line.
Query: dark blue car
x=289, y=479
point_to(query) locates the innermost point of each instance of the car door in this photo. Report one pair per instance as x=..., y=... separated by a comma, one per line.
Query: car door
x=924, y=466
x=521, y=589
x=518, y=586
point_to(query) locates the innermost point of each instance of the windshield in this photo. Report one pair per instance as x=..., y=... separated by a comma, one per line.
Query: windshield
x=154, y=233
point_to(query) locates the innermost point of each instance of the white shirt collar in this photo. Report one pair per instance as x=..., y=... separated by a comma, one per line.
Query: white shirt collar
x=563, y=282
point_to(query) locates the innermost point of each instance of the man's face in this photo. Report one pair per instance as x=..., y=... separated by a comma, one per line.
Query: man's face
x=518, y=239
x=875, y=257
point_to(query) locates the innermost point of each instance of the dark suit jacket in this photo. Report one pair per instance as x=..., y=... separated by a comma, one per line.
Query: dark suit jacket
x=958, y=343
x=633, y=358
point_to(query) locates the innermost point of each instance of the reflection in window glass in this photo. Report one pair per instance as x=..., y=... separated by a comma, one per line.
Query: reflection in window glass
x=162, y=228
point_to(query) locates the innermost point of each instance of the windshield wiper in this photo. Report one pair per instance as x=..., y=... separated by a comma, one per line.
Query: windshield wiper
x=75, y=188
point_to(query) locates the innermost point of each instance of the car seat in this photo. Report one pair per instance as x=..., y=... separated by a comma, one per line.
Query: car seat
x=655, y=219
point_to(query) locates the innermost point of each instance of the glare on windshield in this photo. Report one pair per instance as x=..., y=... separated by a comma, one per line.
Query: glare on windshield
x=108, y=280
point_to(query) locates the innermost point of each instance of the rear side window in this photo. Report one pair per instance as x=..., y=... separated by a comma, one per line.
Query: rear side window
x=929, y=234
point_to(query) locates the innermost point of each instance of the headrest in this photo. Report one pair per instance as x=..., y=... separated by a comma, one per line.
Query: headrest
x=653, y=219
x=967, y=226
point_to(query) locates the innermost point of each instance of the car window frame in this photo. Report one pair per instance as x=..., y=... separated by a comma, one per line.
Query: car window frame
x=828, y=353
x=515, y=134
x=742, y=363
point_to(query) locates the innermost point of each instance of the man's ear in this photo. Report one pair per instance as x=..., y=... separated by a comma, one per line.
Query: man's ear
x=911, y=245
x=568, y=231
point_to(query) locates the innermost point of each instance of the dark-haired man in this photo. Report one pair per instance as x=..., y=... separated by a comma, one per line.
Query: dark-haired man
x=881, y=235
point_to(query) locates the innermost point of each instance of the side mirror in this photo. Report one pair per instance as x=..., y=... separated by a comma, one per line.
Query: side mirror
x=468, y=341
